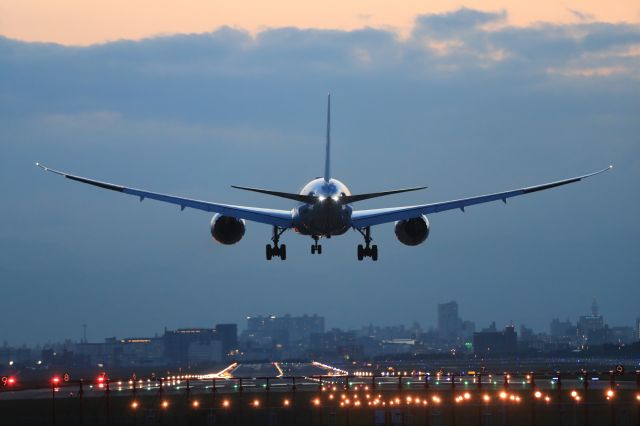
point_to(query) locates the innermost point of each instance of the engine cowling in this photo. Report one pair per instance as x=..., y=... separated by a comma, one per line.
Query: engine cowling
x=413, y=231
x=227, y=230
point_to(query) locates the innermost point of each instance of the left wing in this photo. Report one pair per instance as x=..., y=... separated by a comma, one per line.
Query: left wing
x=281, y=218
x=364, y=218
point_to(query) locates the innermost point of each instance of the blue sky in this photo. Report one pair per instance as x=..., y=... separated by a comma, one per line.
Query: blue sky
x=458, y=106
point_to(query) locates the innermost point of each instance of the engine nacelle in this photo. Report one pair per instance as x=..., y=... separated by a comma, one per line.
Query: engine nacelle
x=412, y=231
x=227, y=230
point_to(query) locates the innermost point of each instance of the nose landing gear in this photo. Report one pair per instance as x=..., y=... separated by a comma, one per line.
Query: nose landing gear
x=277, y=250
x=316, y=248
x=368, y=250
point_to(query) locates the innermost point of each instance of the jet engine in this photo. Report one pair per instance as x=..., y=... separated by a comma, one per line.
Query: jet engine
x=412, y=231
x=227, y=230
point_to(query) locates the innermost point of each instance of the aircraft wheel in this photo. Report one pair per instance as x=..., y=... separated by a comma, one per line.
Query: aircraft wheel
x=313, y=249
x=269, y=252
x=374, y=252
x=283, y=252
x=319, y=249
x=360, y=252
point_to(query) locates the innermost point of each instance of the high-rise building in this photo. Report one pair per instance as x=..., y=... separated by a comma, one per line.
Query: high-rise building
x=448, y=321
x=228, y=335
x=591, y=328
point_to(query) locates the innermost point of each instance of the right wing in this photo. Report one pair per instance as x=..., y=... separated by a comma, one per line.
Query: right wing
x=364, y=218
x=281, y=218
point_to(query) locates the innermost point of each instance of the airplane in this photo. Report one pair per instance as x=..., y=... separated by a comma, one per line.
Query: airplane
x=323, y=209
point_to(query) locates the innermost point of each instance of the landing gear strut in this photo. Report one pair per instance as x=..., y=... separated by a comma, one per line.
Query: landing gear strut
x=368, y=250
x=277, y=250
x=316, y=248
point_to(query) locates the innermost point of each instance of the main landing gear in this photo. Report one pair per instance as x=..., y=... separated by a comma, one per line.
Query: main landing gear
x=316, y=248
x=368, y=250
x=277, y=250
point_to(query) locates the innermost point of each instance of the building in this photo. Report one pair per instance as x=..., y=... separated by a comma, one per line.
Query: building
x=205, y=351
x=559, y=328
x=591, y=328
x=228, y=335
x=487, y=343
x=280, y=335
x=448, y=321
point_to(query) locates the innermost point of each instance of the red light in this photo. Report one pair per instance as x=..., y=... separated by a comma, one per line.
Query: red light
x=55, y=380
x=11, y=381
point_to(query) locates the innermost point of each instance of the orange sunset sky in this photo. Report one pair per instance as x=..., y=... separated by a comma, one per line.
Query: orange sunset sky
x=83, y=22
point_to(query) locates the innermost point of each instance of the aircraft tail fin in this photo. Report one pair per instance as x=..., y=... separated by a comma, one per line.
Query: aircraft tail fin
x=327, y=159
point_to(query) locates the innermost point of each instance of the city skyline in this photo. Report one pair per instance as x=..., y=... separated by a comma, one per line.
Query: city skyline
x=435, y=325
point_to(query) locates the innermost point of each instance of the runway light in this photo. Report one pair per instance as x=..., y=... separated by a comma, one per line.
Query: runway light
x=165, y=404
x=134, y=405
x=503, y=395
x=486, y=398
x=610, y=393
x=316, y=402
x=538, y=394
x=256, y=403
x=574, y=394
x=331, y=396
x=547, y=399
x=286, y=402
x=638, y=397
x=226, y=403
x=196, y=404
x=55, y=380
x=467, y=395
x=436, y=399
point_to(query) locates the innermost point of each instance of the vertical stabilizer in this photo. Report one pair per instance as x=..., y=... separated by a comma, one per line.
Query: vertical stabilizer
x=327, y=160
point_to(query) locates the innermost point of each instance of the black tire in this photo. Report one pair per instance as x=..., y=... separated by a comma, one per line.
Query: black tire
x=283, y=252
x=374, y=252
x=313, y=249
x=269, y=252
x=319, y=249
x=360, y=252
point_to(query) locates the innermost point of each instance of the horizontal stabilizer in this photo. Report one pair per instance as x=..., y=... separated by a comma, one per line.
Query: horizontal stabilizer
x=297, y=197
x=360, y=197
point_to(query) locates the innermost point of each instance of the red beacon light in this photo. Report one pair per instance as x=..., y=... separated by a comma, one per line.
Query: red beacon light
x=55, y=380
x=11, y=381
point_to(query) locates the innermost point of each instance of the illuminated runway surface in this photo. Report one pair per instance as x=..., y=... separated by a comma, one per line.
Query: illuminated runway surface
x=309, y=377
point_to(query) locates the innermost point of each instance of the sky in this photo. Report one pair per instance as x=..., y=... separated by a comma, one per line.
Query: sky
x=466, y=100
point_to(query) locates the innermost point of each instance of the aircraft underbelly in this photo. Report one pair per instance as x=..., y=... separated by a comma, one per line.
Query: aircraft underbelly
x=322, y=219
